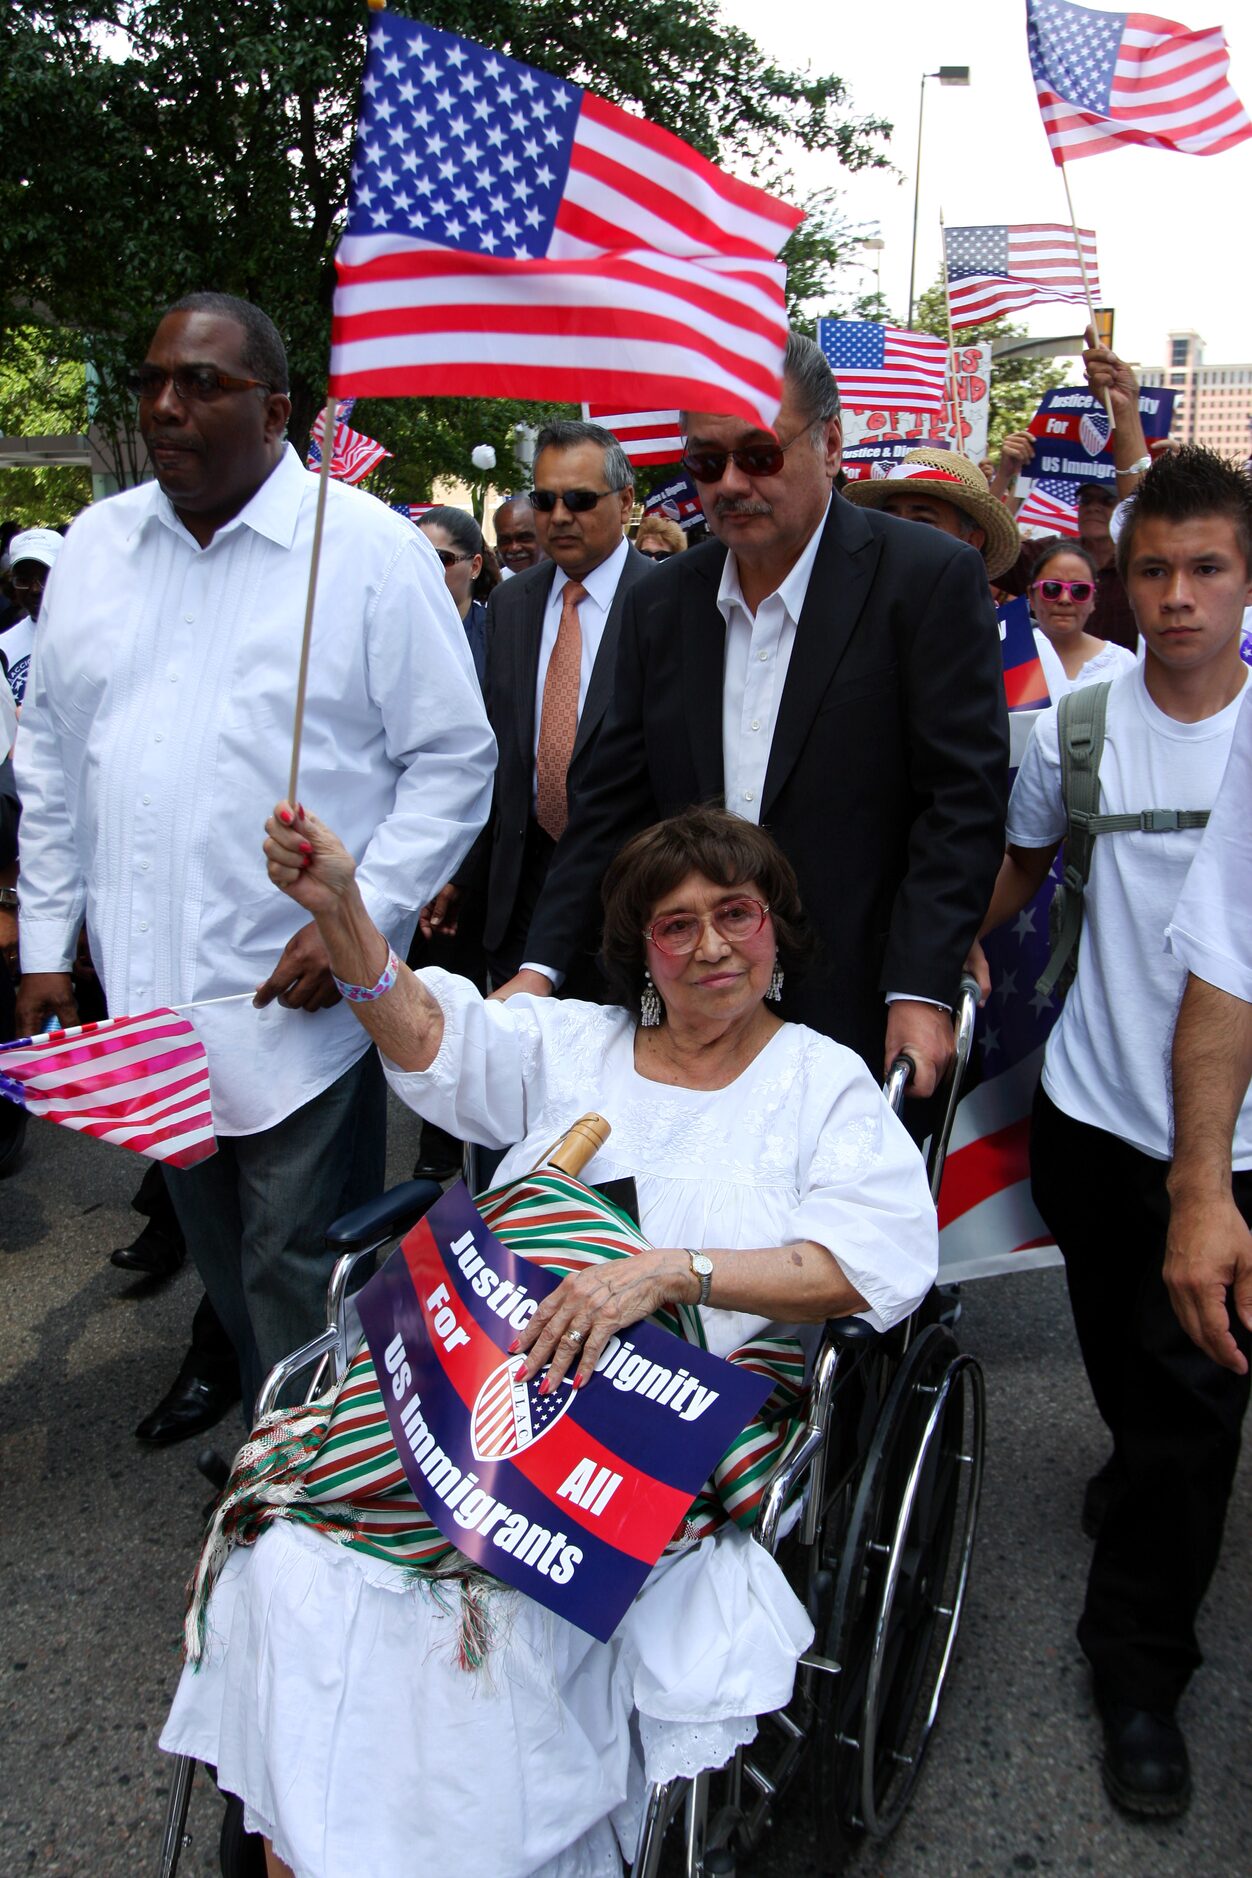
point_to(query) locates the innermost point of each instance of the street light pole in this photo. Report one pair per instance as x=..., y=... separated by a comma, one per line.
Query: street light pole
x=947, y=75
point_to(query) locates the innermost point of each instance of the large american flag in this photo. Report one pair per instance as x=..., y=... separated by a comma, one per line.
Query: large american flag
x=993, y=270
x=354, y=454
x=1106, y=79
x=645, y=436
x=139, y=1082
x=884, y=365
x=511, y=235
x=1051, y=508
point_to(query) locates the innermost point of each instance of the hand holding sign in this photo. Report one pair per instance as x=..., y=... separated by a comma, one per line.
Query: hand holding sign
x=574, y=1324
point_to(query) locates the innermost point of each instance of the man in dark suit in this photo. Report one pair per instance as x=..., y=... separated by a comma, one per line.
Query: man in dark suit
x=552, y=635
x=836, y=675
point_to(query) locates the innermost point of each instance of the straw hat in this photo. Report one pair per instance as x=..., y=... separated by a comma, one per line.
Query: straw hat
x=954, y=479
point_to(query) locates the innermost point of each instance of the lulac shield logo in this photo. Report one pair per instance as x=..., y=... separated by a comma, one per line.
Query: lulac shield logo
x=510, y=1416
x=1094, y=430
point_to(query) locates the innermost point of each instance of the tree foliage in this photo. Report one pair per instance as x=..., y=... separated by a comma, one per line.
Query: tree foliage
x=152, y=147
x=1017, y=385
x=42, y=393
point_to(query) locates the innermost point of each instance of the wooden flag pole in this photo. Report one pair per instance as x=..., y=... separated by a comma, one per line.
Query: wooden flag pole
x=957, y=413
x=1086, y=282
x=323, y=483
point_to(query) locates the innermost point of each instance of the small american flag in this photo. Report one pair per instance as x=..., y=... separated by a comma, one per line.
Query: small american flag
x=510, y=1416
x=1051, y=508
x=993, y=270
x=413, y=511
x=511, y=235
x=139, y=1082
x=884, y=365
x=1107, y=79
x=645, y=436
x=355, y=454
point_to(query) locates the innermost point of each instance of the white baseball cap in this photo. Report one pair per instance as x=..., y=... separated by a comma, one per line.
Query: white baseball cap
x=36, y=544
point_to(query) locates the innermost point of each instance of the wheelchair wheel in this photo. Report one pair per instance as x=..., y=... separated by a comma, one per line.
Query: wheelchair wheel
x=900, y=1565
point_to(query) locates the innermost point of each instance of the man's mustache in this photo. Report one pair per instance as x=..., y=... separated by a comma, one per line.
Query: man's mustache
x=732, y=505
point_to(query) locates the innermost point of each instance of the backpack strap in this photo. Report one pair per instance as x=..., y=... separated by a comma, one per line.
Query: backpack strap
x=1080, y=733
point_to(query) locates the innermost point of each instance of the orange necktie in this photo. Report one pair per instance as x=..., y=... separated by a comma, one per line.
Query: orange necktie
x=558, y=717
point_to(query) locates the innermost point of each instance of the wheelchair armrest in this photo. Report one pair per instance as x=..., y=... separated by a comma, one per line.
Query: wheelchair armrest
x=853, y=1330
x=391, y=1214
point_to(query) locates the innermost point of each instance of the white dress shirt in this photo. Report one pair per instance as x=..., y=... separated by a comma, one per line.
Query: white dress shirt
x=758, y=652
x=156, y=738
x=593, y=614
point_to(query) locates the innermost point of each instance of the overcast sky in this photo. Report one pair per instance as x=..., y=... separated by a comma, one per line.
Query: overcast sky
x=1172, y=230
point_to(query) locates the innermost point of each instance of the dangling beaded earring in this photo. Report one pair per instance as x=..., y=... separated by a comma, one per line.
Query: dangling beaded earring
x=649, y=1003
x=776, y=983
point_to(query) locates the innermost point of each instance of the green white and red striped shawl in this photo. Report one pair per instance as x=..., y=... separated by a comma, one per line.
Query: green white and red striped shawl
x=332, y=1464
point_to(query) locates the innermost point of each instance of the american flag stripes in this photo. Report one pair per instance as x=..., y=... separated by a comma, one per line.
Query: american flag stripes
x=510, y=234
x=1107, y=79
x=1051, y=508
x=355, y=454
x=139, y=1082
x=645, y=436
x=884, y=365
x=994, y=271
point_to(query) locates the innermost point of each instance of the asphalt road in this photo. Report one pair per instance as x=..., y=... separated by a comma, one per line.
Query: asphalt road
x=98, y=1537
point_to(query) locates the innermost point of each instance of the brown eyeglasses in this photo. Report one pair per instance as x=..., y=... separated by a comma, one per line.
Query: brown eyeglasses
x=193, y=384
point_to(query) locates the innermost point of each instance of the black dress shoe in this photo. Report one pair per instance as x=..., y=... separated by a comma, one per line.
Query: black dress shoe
x=1145, y=1769
x=155, y=1254
x=438, y=1155
x=193, y=1404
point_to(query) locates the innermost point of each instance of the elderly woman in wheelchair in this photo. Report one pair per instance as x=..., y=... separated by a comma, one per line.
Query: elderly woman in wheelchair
x=776, y=1189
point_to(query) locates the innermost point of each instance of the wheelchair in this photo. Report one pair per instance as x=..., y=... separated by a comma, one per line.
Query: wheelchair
x=872, y=1514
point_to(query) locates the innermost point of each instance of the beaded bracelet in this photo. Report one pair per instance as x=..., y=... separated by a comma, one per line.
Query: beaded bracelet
x=365, y=994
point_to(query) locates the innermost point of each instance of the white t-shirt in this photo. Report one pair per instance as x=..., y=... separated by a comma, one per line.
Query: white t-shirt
x=1211, y=932
x=1109, y=662
x=1107, y=1060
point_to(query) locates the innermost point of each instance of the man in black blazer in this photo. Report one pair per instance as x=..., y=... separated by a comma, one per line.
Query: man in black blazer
x=584, y=491
x=834, y=674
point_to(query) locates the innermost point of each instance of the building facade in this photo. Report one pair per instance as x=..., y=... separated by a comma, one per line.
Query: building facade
x=1214, y=404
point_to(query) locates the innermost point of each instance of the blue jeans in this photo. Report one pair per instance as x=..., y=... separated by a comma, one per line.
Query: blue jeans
x=255, y=1215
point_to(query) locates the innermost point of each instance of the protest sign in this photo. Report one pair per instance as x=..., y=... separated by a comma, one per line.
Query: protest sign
x=875, y=439
x=1074, y=433
x=570, y=1496
x=678, y=500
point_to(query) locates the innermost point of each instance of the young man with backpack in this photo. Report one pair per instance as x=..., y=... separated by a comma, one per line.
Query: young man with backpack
x=1101, y=1135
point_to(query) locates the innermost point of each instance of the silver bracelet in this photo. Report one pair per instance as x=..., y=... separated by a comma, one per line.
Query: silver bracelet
x=365, y=994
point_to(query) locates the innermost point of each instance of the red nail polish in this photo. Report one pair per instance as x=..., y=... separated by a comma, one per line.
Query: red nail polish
x=300, y=810
x=306, y=847
x=515, y=1346
x=285, y=815
x=579, y=1381
x=519, y=1374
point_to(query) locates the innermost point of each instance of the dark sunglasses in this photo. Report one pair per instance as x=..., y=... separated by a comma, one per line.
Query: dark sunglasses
x=1075, y=590
x=577, y=501
x=755, y=460
x=656, y=554
x=448, y=558
x=194, y=384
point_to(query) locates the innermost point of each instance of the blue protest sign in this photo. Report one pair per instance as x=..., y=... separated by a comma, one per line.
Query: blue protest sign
x=1073, y=434
x=570, y=1496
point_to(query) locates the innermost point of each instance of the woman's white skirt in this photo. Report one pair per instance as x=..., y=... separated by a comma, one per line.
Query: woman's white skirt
x=330, y=1698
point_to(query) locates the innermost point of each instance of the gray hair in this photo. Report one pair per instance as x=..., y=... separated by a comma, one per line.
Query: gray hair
x=805, y=366
x=565, y=434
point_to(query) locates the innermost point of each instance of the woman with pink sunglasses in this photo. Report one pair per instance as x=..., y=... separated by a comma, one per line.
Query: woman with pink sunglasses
x=1062, y=598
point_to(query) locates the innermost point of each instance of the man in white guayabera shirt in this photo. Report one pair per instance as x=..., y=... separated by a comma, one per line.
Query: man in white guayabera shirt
x=156, y=737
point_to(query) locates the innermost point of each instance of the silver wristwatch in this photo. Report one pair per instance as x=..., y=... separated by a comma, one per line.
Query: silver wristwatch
x=8, y=900
x=702, y=1266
